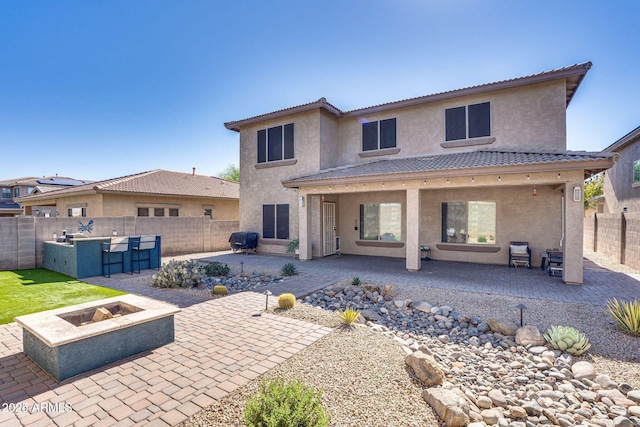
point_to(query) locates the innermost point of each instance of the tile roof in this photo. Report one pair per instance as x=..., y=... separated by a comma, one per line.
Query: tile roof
x=4, y=205
x=444, y=162
x=156, y=182
x=574, y=74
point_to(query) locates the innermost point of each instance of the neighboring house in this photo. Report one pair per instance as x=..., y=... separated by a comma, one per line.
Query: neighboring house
x=464, y=172
x=154, y=193
x=13, y=188
x=622, y=182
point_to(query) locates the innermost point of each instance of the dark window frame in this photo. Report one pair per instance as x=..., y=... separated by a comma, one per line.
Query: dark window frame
x=276, y=143
x=83, y=213
x=6, y=193
x=143, y=212
x=636, y=171
x=379, y=134
x=275, y=221
x=467, y=121
x=173, y=211
x=158, y=210
x=462, y=235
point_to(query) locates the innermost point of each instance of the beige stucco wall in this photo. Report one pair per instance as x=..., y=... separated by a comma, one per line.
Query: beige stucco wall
x=531, y=117
x=101, y=205
x=263, y=186
x=618, y=185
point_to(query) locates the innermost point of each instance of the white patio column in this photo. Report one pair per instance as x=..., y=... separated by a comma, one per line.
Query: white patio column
x=304, y=226
x=573, y=232
x=412, y=239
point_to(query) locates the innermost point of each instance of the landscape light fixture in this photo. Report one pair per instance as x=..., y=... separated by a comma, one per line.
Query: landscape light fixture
x=522, y=307
x=266, y=305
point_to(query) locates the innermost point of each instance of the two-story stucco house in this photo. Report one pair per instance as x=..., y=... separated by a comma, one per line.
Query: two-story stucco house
x=464, y=172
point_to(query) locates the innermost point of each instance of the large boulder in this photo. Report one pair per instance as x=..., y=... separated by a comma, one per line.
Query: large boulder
x=422, y=306
x=388, y=290
x=529, y=335
x=426, y=368
x=583, y=370
x=503, y=326
x=450, y=406
x=370, y=315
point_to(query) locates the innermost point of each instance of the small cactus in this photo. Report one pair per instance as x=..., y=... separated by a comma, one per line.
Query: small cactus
x=289, y=269
x=567, y=339
x=349, y=316
x=355, y=281
x=220, y=290
x=286, y=301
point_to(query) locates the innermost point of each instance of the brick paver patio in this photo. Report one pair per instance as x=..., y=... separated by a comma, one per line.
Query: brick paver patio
x=599, y=284
x=220, y=345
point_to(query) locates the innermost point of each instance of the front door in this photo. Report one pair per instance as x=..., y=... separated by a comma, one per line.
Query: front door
x=329, y=227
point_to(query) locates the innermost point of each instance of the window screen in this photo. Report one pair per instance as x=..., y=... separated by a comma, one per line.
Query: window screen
x=456, y=123
x=370, y=136
x=288, y=141
x=262, y=146
x=479, y=120
x=268, y=221
x=282, y=221
x=158, y=211
x=173, y=212
x=388, y=133
x=274, y=143
x=143, y=211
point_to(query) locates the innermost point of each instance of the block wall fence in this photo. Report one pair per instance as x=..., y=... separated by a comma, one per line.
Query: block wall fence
x=616, y=235
x=21, y=238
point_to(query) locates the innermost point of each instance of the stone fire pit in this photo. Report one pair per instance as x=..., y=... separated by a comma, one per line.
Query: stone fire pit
x=69, y=341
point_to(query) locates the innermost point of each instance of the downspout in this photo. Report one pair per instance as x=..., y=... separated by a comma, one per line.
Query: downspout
x=563, y=221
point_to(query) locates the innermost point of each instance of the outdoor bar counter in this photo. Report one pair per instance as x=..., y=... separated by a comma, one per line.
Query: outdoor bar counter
x=82, y=257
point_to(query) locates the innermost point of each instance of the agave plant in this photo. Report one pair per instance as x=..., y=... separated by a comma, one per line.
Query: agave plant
x=626, y=314
x=567, y=339
x=349, y=316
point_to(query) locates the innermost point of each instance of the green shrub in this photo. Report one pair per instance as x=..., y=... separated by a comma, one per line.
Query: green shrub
x=292, y=246
x=289, y=269
x=626, y=314
x=482, y=239
x=286, y=301
x=349, y=316
x=355, y=281
x=178, y=274
x=282, y=403
x=216, y=269
x=220, y=290
x=567, y=339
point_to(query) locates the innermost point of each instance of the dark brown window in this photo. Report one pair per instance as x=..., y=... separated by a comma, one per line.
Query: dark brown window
x=275, y=143
x=471, y=121
x=275, y=221
x=378, y=135
x=173, y=212
x=143, y=211
x=158, y=211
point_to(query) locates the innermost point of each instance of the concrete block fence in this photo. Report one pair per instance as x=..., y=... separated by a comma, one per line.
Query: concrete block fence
x=616, y=235
x=21, y=238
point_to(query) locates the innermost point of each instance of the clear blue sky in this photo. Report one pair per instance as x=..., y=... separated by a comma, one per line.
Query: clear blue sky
x=96, y=90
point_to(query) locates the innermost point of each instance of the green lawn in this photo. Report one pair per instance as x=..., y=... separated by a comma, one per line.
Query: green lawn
x=31, y=291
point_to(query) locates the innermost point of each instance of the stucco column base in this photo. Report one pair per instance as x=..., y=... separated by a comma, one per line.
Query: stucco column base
x=574, y=223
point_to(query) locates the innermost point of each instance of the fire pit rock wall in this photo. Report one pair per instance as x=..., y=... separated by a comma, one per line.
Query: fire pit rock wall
x=65, y=342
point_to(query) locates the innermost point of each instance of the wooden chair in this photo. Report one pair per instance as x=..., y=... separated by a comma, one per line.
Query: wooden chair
x=519, y=254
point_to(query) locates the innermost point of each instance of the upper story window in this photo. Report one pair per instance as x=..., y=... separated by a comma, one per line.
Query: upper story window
x=636, y=172
x=6, y=193
x=471, y=121
x=16, y=192
x=275, y=143
x=379, y=135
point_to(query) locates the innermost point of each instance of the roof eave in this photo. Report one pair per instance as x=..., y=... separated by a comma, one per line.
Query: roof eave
x=587, y=165
x=628, y=138
x=579, y=72
x=321, y=103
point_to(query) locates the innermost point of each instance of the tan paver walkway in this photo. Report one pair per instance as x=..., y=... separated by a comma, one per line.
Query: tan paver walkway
x=220, y=345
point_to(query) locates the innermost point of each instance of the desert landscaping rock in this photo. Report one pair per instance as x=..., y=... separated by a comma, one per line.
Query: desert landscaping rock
x=425, y=368
x=452, y=408
x=583, y=370
x=529, y=335
x=502, y=326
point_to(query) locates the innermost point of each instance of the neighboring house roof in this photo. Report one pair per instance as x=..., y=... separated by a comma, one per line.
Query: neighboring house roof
x=34, y=181
x=8, y=206
x=156, y=182
x=627, y=139
x=573, y=74
x=476, y=162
